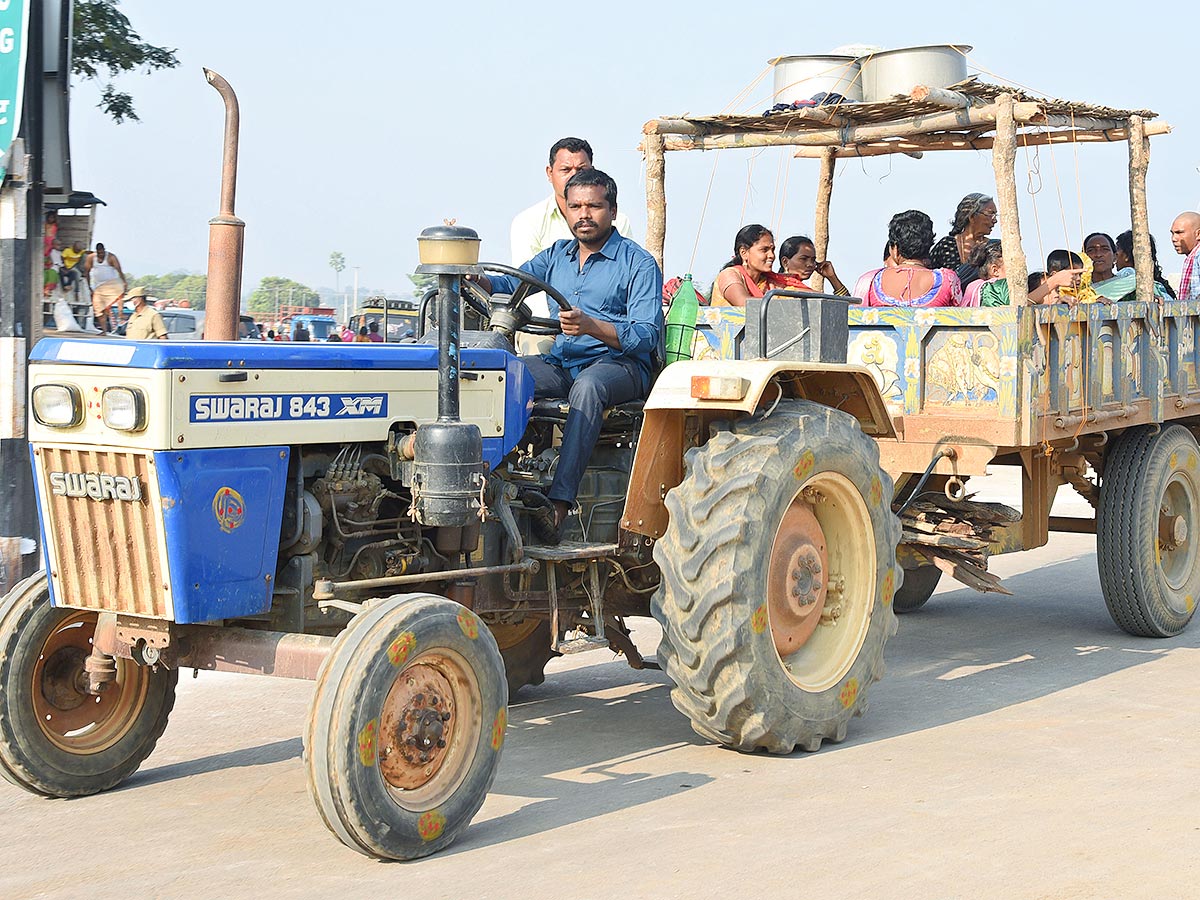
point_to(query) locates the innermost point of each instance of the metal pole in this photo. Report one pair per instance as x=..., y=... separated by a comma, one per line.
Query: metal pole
x=356, y=288
x=226, y=232
x=448, y=319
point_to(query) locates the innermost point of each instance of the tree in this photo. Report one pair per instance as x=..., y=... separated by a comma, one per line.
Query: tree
x=422, y=283
x=275, y=291
x=337, y=262
x=176, y=286
x=104, y=45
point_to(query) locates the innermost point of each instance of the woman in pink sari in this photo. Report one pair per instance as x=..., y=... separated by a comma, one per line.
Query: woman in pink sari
x=749, y=273
x=911, y=282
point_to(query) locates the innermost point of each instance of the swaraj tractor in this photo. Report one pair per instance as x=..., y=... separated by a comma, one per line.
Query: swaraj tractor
x=356, y=514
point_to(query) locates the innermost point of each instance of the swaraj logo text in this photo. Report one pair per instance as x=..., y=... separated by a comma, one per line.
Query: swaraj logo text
x=96, y=486
x=285, y=407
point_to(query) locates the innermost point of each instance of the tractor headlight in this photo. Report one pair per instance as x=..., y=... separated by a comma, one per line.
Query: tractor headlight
x=57, y=405
x=124, y=408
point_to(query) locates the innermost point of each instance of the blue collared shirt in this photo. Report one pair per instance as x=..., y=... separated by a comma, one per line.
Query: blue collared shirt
x=621, y=283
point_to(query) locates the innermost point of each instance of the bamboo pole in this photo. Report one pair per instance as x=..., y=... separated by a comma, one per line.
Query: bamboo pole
x=916, y=144
x=1139, y=162
x=656, y=197
x=1004, y=158
x=940, y=97
x=821, y=227
x=925, y=123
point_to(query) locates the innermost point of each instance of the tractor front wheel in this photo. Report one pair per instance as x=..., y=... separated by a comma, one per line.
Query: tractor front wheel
x=779, y=567
x=56, y=739
x=407, y=723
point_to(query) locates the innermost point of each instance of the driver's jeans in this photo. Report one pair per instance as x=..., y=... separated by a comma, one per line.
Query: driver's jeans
x=605, y=383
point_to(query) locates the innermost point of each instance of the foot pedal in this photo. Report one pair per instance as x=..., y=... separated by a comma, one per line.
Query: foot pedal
x=581, y=645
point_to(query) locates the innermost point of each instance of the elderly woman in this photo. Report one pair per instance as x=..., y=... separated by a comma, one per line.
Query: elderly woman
x=973, y=221
x=798, y=261
x=748, y=274
x=911, y=282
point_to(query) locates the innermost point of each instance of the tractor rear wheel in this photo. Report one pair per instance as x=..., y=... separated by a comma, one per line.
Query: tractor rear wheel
x=1148, y=530
x=56, y=739
x=406, y=727
x=779, y=568
x=919, y=585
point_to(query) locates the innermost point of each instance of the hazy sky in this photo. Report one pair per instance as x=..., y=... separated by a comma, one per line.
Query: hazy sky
x=363, y=122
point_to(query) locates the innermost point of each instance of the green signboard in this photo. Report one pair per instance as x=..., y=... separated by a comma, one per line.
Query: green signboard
x=14, y=26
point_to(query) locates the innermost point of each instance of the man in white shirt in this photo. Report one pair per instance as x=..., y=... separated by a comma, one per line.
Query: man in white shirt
x=542, y=224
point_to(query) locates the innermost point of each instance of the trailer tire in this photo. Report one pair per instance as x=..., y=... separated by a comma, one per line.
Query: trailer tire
x=741, y=525
x=919, y=585
x=56, y=739
x=406, y=726
x=1148, y=530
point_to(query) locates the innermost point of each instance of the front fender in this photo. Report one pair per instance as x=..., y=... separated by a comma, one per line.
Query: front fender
x=675, y=420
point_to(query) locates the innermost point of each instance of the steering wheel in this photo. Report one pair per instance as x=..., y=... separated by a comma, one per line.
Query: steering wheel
x=512, y=313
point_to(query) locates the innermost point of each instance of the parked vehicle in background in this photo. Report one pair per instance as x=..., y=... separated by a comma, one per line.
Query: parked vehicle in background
x=399, y=323
x=182, y=324
x=319, y=327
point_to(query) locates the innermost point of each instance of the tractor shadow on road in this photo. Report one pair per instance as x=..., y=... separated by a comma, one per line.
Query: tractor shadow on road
x=262, y=755
x=590, y=738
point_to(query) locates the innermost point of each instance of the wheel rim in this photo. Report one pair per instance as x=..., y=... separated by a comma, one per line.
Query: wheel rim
x=429, y=730
x=70, y=718
x=1176, y=544
x=821, y=581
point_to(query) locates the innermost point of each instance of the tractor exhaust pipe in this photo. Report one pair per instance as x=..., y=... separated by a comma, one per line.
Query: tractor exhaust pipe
x=226, y=232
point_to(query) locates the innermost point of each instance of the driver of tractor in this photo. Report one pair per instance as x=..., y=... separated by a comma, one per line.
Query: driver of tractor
x=610, y=335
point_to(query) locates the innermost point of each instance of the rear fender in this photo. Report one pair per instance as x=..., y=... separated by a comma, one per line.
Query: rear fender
x=675, y=421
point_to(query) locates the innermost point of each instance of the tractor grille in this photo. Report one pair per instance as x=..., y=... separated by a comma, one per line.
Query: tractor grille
x=107, y=552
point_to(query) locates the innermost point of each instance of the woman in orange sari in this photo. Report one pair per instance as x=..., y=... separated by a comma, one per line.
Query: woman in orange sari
x=749, y=273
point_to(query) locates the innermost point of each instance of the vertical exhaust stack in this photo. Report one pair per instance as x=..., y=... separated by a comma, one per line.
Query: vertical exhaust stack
x=226, y=232
x=448, y=473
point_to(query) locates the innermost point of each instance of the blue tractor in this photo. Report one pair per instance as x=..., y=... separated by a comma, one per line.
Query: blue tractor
x=358, y=516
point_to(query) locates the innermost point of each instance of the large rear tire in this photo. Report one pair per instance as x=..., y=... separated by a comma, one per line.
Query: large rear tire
x=406, y=728
x=1148, y=530
x=56, y=739
x=779, y=569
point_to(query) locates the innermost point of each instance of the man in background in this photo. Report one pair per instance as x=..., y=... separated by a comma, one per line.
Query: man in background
x=1185, y=235
x=538, y=227
x=145, y=322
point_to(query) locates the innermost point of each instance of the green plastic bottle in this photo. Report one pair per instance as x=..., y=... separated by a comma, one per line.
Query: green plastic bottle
x=681, y=322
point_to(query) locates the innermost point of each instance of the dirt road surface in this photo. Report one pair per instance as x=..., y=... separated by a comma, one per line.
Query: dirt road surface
x=1018, y=747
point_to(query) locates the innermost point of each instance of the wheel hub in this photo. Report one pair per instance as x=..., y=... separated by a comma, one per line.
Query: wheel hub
x=417, y=725
x=798, y=584
x=1172, y=529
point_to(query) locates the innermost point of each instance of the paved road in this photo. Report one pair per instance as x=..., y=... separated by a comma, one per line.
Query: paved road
x=1018, y=747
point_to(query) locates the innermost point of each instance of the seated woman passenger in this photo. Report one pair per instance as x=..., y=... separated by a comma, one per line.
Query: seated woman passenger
x=1106, y=281
x=991, y=288
x=910, y=282
x=1064, y=271
x=797, y=262
x=1124, y=260
x=749, y=273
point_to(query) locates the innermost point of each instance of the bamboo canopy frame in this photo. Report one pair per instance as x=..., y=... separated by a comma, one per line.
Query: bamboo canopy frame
x=970, y=115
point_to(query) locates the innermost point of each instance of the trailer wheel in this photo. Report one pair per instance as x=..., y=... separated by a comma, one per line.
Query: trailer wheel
x=56, y=739
x=779, y=567
x=1148, y=530
x=525, y=648
x=406, y=726
x=919, y=585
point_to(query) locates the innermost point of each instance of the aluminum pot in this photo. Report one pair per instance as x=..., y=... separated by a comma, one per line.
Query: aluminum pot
x=799, y=77
x=892, y=72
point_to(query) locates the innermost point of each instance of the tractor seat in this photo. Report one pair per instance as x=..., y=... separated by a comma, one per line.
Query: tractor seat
x=621, y=417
